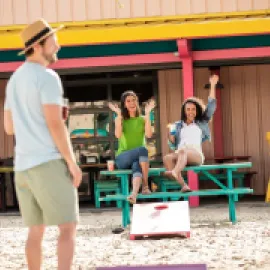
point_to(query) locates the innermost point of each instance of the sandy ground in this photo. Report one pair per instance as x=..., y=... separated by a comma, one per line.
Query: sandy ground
x=213, y=241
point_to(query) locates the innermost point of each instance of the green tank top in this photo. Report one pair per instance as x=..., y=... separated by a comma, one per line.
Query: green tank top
x=133, y=135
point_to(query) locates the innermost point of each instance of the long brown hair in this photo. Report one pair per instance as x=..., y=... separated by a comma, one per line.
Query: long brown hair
x=125, y=113
x=200, y=109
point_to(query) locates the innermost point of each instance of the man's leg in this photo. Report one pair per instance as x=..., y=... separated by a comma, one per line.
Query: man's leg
x=33, y=247
x=58, y=199
x=66, y=245
x=32, y=217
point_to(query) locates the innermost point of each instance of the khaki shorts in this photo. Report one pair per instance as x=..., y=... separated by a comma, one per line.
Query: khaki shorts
x=46, y=194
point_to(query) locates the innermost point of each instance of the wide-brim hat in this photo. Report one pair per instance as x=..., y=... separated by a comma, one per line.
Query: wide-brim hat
x=36, y=32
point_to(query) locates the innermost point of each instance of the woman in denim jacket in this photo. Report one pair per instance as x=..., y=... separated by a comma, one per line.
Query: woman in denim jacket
x=187, y=135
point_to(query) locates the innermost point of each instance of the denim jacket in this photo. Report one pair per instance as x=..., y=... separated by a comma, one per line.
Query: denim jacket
x=203, y=125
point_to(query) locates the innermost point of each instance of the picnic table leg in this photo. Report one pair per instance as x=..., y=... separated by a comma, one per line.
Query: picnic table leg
x=125, y=203
x=163, y=189
x=232, y=198
x=232, y=209
x=193, y=183
x=241, y=185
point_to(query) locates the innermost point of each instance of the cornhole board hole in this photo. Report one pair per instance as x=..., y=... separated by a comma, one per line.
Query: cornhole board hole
x=160, y=219
x=158, y=267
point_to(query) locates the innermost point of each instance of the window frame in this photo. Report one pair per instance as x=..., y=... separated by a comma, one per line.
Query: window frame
x=109, y=81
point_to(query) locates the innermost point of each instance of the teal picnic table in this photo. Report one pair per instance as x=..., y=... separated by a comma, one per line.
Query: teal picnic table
x=224, y=189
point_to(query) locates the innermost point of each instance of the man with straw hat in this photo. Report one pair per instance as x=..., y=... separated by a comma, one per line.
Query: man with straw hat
x=46, y=173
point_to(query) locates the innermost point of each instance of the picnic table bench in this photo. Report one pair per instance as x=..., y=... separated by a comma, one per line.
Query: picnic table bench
x=228, y=189
x=163, y=184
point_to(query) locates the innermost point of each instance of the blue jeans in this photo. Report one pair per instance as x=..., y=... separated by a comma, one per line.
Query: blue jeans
x=131, y=160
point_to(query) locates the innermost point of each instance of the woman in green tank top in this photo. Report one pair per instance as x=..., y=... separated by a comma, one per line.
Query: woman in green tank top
x=131, y=128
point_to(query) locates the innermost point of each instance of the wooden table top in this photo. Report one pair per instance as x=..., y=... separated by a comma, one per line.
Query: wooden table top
x=8, y=169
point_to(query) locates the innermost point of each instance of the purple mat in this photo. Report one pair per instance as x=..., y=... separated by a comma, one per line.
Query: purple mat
x=159, y=267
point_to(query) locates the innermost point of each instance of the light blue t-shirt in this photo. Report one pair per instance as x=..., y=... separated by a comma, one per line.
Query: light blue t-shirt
x=30, y=87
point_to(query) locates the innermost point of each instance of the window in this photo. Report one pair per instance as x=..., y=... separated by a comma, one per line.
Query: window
x=91, y=123
x=82, y=95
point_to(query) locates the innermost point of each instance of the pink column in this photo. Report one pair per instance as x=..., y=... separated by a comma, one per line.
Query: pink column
x=185, y=55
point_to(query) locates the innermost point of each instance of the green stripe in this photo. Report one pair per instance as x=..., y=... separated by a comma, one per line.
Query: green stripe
x=102, y=50
x=10, y=56
x=230, y=42
x=118, y=49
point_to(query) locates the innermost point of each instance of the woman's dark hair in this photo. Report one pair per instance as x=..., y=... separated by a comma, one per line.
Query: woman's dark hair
x=200, y=109
x=125, y=113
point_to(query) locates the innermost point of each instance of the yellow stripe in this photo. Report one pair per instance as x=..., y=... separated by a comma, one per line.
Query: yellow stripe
x=154, y=28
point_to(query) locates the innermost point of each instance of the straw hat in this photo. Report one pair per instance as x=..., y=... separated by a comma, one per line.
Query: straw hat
x=36, y=32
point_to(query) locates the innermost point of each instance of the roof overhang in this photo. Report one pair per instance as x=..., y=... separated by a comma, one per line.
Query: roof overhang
x=152, y=28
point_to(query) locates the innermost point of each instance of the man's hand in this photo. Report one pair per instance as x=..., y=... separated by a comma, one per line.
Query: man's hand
x=76, y=173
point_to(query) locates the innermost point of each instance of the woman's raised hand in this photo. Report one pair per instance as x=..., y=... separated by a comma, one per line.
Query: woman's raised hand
x=214, y=80
x=150, y=106
x=114, y=108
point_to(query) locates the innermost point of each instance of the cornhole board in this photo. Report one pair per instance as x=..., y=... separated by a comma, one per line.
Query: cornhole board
x=160, y=219
x=158, y=267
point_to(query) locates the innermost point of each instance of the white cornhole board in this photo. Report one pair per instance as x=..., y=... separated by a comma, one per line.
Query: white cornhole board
x=149, y=220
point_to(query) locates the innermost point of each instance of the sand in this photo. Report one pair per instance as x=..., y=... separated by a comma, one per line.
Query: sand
x=214, y=241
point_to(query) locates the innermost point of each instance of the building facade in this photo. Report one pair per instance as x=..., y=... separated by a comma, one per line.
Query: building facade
x=171, y=44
